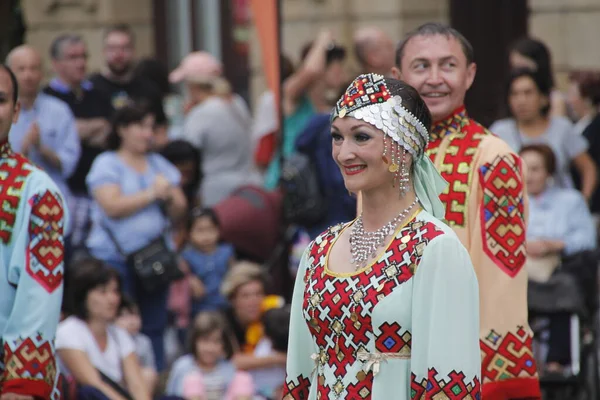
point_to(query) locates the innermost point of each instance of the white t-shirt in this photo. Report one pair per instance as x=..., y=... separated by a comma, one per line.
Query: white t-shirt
x=267, y=380
x=74, y=334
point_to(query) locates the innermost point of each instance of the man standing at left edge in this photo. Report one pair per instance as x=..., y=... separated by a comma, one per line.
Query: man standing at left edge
x=32, y=218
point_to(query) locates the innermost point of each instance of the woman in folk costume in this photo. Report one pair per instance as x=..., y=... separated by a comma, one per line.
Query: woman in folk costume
x=385, y=306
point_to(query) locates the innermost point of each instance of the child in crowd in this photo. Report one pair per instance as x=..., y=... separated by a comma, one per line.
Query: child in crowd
x=187, y=160
x=208, y=261
x=269, y=381
x=212, y=377
x=130, y=320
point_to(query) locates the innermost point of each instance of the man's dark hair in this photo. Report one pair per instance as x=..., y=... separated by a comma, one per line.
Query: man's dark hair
x=120, y=28
x=432, y=29
x=58, y=44
x=13, y=80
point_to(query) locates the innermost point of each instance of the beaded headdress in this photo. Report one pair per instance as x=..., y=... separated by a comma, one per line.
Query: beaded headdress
x=368, y=98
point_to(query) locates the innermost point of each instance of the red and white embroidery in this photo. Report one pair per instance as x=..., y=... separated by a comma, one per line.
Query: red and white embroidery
x=14, y=170
x=44, y=260
x=338, y=309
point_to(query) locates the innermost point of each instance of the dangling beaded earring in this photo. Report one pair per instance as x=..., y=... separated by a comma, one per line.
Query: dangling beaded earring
x=404, y=174
x=385, y=145
x=393, y=168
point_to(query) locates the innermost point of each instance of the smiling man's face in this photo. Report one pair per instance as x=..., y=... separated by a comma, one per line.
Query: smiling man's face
x=437, y=67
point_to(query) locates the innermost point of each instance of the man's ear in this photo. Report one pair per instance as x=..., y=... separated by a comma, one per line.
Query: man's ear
x=396, y=74
x=471, y=71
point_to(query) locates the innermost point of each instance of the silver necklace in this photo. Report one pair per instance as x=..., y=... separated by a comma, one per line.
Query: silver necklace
x=364, y=245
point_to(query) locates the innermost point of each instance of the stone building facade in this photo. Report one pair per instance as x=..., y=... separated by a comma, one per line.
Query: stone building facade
x=569, y=27
x=46, y=19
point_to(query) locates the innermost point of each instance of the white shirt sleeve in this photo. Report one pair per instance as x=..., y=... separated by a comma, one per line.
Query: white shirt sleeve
x=70, y=334
x=124, y=341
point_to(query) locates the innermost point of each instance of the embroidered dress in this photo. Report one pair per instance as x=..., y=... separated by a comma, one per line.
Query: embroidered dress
x=405, y=327
x=32, y=219
x=486, y=206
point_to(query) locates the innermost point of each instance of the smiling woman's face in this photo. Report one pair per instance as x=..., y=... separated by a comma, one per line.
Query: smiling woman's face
x=358, y=150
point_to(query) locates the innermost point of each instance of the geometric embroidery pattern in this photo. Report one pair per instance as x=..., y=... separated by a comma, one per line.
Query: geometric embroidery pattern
x=454, y=387
x=14, y=170
x=30, y=359
x=507, y=357
x=503, y=213
x=372, y=89
x=338, y=310
x=297, y=389
x=393, y=339
x=464, y=136
x=44, y=260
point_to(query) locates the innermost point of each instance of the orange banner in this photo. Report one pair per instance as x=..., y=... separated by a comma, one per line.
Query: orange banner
x=266, y=20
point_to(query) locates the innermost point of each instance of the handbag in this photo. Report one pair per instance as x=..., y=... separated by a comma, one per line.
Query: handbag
x=155, y=265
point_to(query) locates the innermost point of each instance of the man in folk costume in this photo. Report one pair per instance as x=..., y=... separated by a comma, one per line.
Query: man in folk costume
x=485, y=201
x=32, y=219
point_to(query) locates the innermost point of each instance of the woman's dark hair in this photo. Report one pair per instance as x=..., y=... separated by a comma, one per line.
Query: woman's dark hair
x=540, y=81
x=180, y=151
x=588, y=83
x=411, y=100
x=547, y=155
x=125, y=116
x=86, y=275
x=205, y=323
x=198, y=213
x=537, y=51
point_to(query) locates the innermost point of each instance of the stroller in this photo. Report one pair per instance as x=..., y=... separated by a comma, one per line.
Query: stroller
x=571, y=292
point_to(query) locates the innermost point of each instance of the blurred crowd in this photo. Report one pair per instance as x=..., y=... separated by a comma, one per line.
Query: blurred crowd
x=142, y=153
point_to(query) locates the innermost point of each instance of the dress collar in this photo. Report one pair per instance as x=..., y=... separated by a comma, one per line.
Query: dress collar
x=449, y=124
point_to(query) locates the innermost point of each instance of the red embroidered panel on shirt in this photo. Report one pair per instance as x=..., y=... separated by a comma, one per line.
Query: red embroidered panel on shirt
x=456, y=163
x=455, y=386
x=296, y=389
x=14, y=170
x=31, y=360
x=507, y=357
x=503, y=213
x=338, y=309
x=44, y=260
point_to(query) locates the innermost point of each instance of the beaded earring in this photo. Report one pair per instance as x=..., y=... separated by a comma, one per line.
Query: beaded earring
x=385, y=146
x=404, y=174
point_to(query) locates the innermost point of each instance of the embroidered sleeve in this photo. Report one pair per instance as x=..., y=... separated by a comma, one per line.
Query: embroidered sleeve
x=36, y=271
x=502, y=212
x=300, y=364
x=445, y=360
